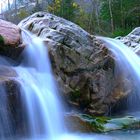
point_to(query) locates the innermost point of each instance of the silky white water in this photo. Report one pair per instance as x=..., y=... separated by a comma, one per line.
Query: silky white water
x=5, y=118
x=129, y=64
x=39, y=93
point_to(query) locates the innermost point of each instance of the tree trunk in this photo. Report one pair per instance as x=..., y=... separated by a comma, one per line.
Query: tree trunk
x=122, y=14
x=97, y=6
x=15, y=6
x=111, y=15
x=9, y=5
x=37, y=2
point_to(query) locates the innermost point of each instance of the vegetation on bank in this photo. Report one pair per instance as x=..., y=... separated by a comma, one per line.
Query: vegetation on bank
x=1, y=40
x=106, y=124
x=104, y=17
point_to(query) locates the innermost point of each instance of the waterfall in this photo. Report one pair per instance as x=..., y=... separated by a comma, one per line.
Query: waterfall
x=39, y=93
x=39, y=90
x=129, y=64
x=6, y=122
x=5, y=119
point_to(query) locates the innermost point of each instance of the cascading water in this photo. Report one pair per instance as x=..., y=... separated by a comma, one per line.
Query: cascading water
x=39, y=90
x=129, y=65
x=5, y=120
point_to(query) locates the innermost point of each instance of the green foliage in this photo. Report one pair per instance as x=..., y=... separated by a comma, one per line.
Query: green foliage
x=82, y=19
x=1, y=40
x=120, y=32
x=96, y=122
x=23, y=14
x=126, y=15
x=106, y=124
x=63, y=8
x=102, y=17
x=95, y=16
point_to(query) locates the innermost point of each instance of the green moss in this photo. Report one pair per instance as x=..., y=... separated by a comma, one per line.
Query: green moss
x=1, y=40
x=75, y=95
x=23, y=14
x=125, y=126
x=106, y=124
x=96, y=122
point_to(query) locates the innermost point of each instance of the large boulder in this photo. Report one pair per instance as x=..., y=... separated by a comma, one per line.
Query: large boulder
x=10, y=44
x=83, y=67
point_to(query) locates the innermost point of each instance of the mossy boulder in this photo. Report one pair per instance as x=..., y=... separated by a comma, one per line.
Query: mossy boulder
x=87, y=123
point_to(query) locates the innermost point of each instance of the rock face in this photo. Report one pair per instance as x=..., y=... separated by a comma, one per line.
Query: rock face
x=11, y=110
x=83, y=67
x=132, y=40
x=9, y=39
x=10, y=101
x=75, y=123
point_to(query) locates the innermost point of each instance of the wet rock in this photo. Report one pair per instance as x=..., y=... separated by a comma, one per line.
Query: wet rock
x=132, y=40
x=10, y=44
x=6, y=71
x=86, y=123
x=83, y=67
x=74, y=123
x=10, y=94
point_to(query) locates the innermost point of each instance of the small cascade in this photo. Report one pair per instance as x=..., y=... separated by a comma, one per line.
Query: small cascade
x=40, y=101
x=6, y=121
x=128, y=63
x=6, y=129
x=39, y=90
